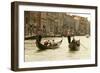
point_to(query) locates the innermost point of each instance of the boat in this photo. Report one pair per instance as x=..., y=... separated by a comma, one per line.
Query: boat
x=74, y=45
x=44, y=47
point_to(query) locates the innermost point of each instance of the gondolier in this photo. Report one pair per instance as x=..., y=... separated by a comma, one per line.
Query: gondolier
x=69, y=36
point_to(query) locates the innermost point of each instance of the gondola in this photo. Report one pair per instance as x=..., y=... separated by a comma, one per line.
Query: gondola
x=44, y=47
x=74, y=45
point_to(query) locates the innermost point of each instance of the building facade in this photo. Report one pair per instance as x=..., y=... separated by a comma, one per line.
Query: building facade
x=54, y=24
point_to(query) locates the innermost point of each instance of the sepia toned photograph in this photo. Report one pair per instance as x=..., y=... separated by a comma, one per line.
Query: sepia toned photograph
x=54, y=36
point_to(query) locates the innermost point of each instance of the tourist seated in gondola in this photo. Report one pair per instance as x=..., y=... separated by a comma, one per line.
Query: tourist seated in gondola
x=53, y=43
x=47, y=43
x=50, y=43
x=73, y=41
x=78, y=43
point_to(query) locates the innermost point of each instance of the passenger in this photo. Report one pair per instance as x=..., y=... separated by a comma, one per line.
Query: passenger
x=73, y=41
x=46, y=43
x=53, y=42
x=49, y=43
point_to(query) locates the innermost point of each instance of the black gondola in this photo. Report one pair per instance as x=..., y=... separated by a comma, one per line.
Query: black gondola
x=44, y=47
x=74, y=45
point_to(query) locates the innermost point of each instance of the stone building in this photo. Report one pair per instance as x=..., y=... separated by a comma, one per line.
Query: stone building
x=32, y=22
x=54, y=24
x=51, y=23
x=82, y=25
x=69, y=24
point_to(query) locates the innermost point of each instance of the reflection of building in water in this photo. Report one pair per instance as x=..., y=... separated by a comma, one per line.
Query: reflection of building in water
x=55, y=24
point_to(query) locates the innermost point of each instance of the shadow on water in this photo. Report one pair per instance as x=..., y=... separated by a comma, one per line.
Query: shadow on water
x=43, y=50
x=38, y=51
x=73, y=53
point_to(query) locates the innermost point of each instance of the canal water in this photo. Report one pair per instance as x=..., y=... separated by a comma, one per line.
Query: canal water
x=61, y=53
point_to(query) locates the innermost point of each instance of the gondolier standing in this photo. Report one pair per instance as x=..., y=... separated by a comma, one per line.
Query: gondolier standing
x=69, y=36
